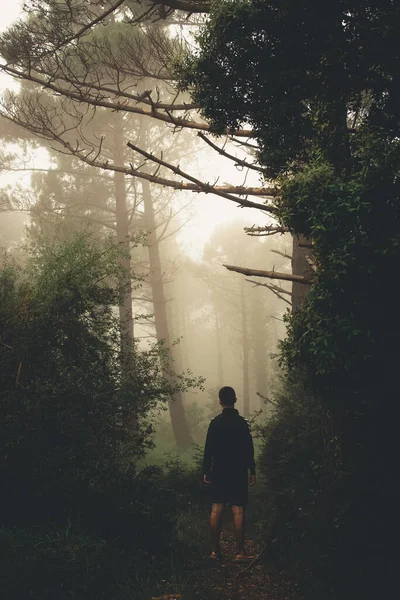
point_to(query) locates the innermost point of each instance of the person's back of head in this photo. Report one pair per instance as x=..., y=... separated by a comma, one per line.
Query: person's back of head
x=227, y=396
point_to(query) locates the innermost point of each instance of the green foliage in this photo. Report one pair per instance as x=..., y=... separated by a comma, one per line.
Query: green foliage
x=74, y=413
x=318, y=82
x=290, y=68
x=81, y=516
x=129, y=542
x=300, y=468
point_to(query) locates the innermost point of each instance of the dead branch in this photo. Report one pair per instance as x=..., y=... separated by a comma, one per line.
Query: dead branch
x=46, y=51
x=255, y=560
x=200, y=186
x=247, y=144
x=272, y=288
x=85, y=28
x=39, y=120
x=236, y=160
x=269, y=274
x=284, y=254
x=116, y=106
x=266, y=230
x=276, y=318
x=280, y=289
x=144, y=98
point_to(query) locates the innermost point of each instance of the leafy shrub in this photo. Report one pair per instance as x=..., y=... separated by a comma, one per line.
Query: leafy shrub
x=74, y=427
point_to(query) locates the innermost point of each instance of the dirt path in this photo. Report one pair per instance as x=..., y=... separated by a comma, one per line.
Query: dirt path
x=232, y=581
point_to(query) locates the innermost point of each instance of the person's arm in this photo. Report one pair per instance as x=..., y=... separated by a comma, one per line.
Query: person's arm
x=251, y=465
x=208, y=455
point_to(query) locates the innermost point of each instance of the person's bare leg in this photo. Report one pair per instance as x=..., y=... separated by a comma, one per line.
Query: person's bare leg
x=239, y=525
x=215, y=526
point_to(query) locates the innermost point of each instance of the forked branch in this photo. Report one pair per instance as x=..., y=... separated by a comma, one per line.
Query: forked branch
x=207, y=188
x=123, y=106
x=273, y=288
x=237, y=161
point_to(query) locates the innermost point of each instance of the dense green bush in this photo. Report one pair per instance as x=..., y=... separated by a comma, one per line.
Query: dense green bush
x=299, y=469
x=81, y=518
x=46, y=564
x=141, y=537
x=318, y=83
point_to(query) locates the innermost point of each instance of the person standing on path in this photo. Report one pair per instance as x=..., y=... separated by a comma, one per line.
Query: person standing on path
x=229, y=468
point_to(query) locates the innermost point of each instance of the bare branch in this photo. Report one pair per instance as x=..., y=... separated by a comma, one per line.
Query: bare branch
x=273, y=288
x=197, y=185
x=279, y=289
x=53, y=170
x=224, y=191
x=247, y=144
x=276, y=318
x=85, y=28
x=269, y=274
x=144, y=98
x=265, y=230
x=116, y=106
x=284, y=254
x=236, y=160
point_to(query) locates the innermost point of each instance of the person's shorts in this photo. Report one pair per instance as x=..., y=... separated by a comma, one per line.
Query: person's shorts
x=229, y=492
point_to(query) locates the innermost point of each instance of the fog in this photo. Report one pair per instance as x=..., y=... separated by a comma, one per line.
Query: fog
x=66, y=168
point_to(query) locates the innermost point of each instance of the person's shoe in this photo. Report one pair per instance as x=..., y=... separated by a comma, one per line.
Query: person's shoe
x=242, y=558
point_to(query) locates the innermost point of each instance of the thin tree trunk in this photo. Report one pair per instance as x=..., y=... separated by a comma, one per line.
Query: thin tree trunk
x=177, y=413
x=183, y=332
x=173, y=310
x=245, y=349
x=220, y=362
x=258, y=337
x=122, y=223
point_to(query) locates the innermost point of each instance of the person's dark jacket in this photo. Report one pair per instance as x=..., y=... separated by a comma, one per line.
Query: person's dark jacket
x=229, y=447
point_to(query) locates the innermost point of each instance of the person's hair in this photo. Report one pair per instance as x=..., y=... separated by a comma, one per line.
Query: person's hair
x=227, y=396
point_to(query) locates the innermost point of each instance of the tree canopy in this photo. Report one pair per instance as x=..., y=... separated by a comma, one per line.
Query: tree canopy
x=302, y=74
x=319, y=84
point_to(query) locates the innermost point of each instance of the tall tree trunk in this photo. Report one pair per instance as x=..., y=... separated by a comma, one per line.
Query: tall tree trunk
x=300, y=266
x=177, y=413
x=259, y=345
x=245, y=350
x=220, y=361
x=183, y=332
x=174, y=330
x=122, y=224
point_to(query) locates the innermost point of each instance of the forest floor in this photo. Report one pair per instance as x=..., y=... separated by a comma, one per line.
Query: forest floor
x=228, y=580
